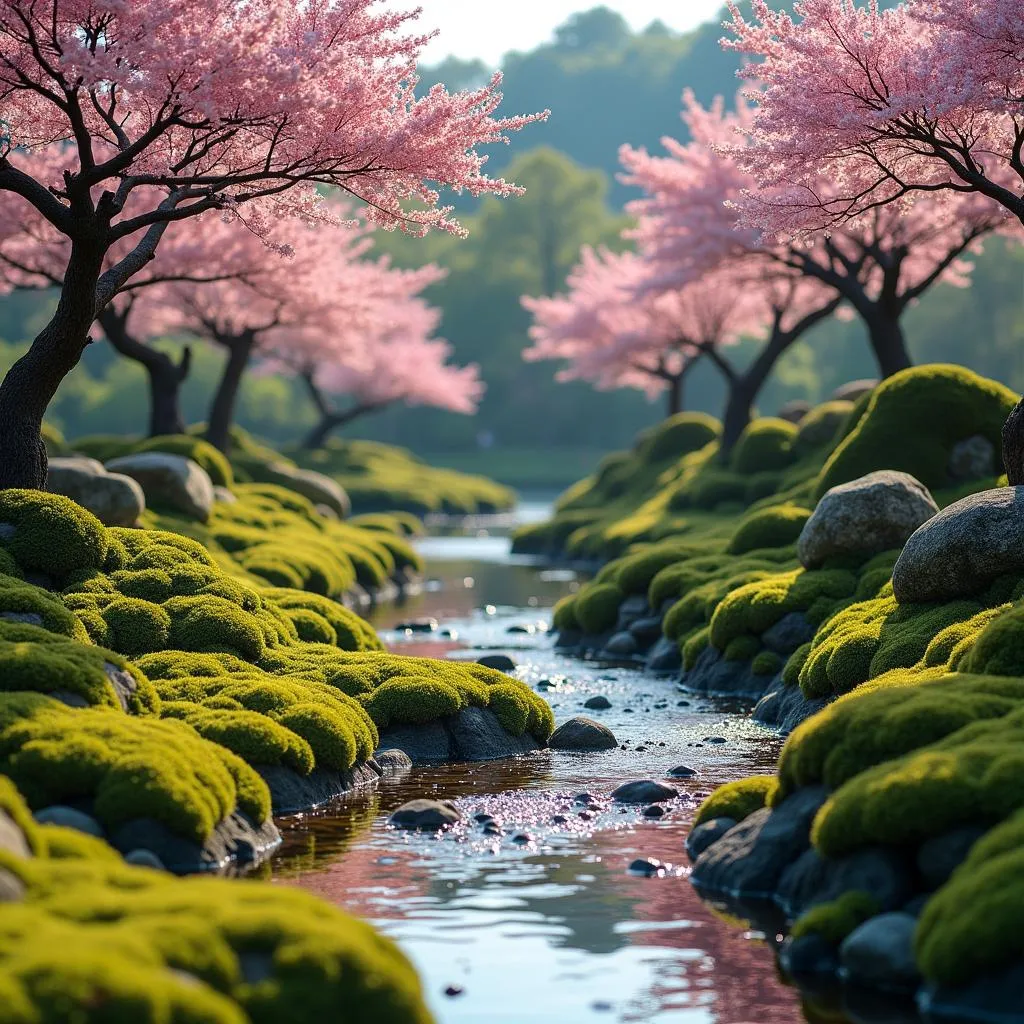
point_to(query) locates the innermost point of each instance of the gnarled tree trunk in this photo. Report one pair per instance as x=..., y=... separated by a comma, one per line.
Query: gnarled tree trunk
x=889, y=345
x=222, y=411
x=330, y=418
x=1013, y=445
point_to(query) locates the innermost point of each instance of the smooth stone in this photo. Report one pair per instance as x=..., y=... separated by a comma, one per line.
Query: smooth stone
x=451, y=991
x=994, y=999
x=880, y=953
x=649, y=867
x=682, y=771
x=224, y=495
x=644, y=791
x=501, y=662
x=425, y=815
x=707, y=833
x=114, y=499
x=319, y=489
x=713, y=675
x=417, y=626
x=474, y=734
x=809, y=956
x=582, y=733
x=169, y=481
x=715, y=739
x=963, y=549
x=646, y=630
x=327, y=511
x=522, y=839
x=393, y=762
x=622, y=645
x=544, y=685
x=794, y=410
x=144, y=859
x=12, y=888
x=939, y=856
x=751, y=857
x=632, y=608
x=598, y=704
x=853, y=390
x=654, y=811
x=664, y=656
x=482, y=818
x=69, y=817
x=789, y=633
x=785, y=707
x=12, y=839
x=874, y=513
x=972, y=459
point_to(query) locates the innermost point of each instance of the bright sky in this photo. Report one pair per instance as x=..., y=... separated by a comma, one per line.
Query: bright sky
x=490, y=30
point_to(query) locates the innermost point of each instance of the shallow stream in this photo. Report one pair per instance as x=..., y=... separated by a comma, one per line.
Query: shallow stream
x=545, y=922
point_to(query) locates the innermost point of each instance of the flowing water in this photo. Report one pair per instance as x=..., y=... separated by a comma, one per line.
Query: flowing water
x=545, y=922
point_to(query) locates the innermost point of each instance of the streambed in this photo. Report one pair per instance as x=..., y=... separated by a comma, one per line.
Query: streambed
x=544, y=921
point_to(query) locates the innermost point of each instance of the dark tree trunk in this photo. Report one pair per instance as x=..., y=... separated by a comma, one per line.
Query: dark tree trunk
x=1013, y=445
x=676, y=392
x=319, y=434
x=32, y=381
x=888, y=344
x=222, y=411
x=739, y=410
x=330, y=418
x=166, y=376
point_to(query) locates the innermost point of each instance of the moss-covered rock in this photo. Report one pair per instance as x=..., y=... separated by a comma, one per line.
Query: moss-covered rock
x=835, y=920
x=195, y=448
x=49, y=533
x=765, y=444
x=597, y=607
x=776, y=527
x=679, y=435
x=737, y=800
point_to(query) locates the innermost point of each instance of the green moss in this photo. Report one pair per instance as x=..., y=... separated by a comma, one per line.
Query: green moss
x=634, y=572
x=679, y=435
x=597, y=607
x=136, y=626
x=130, y=767
x=13, y=805
x=742, y=648
x=900, y=430
x=767, y=663
x=694, y=645
x=210, y=623
x=22, y=602
x=835, y=920
x=823, y=426
x=196, y=449
x=563, y=615
x=795, y=664
x=737, y=800
x=412, y=700
x=775, y=527
x=351, y=632
x=51, y=533
x=765, y=444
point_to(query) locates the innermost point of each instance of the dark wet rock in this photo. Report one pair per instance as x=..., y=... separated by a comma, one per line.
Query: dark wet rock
x=880, y=953
x=628, y=711
x=169, y=481
x=522, y=839
x=393, y=762
x=425, y=815
x=558, y=819
x=646, y=630
x=684, y=703
x=649, y=867
x=707, y=833
x=546, y=684
x=235, y=842
x=874, y=513
x=751, y=857
x=995, y=999
x=492, y=828
x=809, y=956
x=711, y=674
x=789, y=633
x=482, y=818
x=582, y=733
x=144, y=859
x=519, y=629
x=785, y=707
x=664, y=656
x=916, y=904
x=291, y=793
x=418, y=626
x=453, y=990
x=598, y=703
x=939, y=856
x=12, y=839
x=682, y=771
x=879, y=871
x=972, y=459
x=585, y=815
x=715, y=739
x=654, y=811
x=622, y=645
x=12, y=888
x=568, y=639
x=474, y=734
x=69, y=817
x=501, y=662
x=634, y=607
x=584, y=798
x=644, y=791
x=113, y=498
x=963, y=549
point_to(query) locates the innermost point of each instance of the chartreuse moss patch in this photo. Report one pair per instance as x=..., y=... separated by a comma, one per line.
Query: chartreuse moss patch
x=835, y=920
x=201, y=950
x=738, y=800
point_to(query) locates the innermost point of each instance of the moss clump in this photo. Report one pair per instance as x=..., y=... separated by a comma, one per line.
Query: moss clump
x=738, y=800
x=822, y=427
x=136, y=626
x=694, y=646
x=679, y=435
x=311, y=612
x=835, y=920
x=563, y=615
x=900, y=430
x=774, y=527
x=765, y=444
x=51, y=534
x=767, y=663
x=201, y=950
x=971, y=927
x=13, y=805
x=128, y=767
x=195, y=448
x=633, y=573
x=597, y=607
x=25, y=603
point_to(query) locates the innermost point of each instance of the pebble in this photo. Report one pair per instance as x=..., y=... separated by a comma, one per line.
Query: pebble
x=585, y=815
x=648, y=867
x=644, y=791
x=682, y=703
x=598, y=703
x=715, y=739
x=627, y=711
x=522, y=838
x=682, y=771
x=418, y=626
x=482, y=818
x=558, y=819
x=654, y=811
x=492, y=829
x=454, y=990
x=584, y=798
x=546, y=684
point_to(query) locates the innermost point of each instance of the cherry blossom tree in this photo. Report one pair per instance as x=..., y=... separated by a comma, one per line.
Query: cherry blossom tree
x=397, y=359
x=215, y=106
x=880, y=264
x=887, y=106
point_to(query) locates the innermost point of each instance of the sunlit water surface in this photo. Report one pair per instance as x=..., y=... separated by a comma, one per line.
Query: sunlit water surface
x=545, y=922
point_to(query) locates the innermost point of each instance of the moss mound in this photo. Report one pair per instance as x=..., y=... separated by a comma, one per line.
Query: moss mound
x=766, y=444
x=679, y=435
x=823, y=426
x=195, y=448
x=738, y=800
x=776, y=527
x=913, y=420
x=835, y=920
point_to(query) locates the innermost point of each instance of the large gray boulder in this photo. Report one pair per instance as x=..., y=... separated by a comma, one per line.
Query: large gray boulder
x=959, y=552
x=867, y=516
x=114, y=499
x=320, y=489
x=425, y=815
x=170, y=481
x=880, y=953
x=474, y=734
